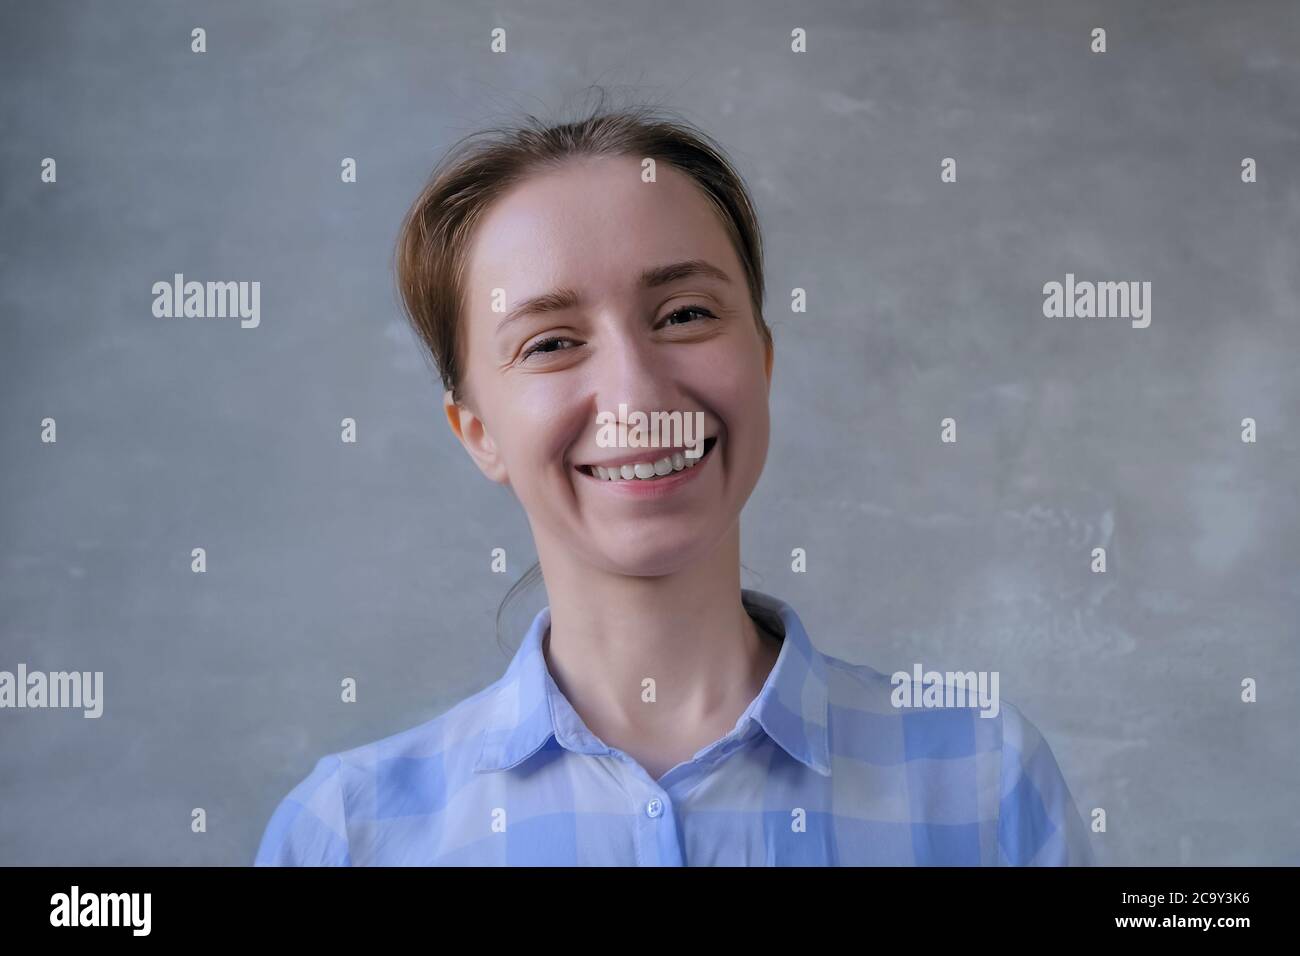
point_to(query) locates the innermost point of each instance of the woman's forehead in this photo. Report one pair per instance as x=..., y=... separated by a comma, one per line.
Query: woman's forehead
x=595, y=219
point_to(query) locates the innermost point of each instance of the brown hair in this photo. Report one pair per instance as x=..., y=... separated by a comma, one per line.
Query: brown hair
x=434, y=241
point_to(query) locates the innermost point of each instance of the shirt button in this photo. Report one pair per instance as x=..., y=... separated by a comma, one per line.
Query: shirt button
x=654, y=807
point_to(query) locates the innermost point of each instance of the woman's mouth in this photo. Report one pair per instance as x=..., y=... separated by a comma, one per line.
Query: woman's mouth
x=650, y=470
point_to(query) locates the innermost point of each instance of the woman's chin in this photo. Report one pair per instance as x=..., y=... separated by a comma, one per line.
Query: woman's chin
x=644, y=558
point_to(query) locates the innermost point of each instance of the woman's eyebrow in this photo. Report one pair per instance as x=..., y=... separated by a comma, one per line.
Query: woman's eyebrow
x=559, y=299
x=686, y=269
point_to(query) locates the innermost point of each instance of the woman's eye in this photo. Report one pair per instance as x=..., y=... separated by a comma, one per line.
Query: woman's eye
x=550, y=345
x=688, y=310
x=543, y=345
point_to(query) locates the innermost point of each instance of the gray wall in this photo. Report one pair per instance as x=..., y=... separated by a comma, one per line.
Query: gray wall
x=925, y=301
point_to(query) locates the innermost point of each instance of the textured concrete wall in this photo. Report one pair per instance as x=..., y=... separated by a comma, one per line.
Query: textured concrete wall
x=925, y=301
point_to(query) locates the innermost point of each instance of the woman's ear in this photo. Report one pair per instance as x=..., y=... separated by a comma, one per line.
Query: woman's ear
x=468, y=428
x=771, y=354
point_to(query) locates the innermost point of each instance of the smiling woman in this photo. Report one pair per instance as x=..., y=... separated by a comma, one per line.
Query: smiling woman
x=655, y=712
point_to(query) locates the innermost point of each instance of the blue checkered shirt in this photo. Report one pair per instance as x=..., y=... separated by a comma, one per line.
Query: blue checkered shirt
x=820, y=770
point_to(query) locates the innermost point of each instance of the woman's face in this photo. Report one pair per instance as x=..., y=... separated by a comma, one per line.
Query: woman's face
x=535, y=382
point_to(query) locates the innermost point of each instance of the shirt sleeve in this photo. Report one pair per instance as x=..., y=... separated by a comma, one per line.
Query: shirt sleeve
x=1038, y=822
x=309, y=827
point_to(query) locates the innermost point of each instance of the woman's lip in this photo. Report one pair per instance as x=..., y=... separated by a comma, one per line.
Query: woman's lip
x=655, y=455
x=657, y=487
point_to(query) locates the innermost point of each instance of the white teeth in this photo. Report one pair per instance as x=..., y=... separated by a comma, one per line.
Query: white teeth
x=645, y=470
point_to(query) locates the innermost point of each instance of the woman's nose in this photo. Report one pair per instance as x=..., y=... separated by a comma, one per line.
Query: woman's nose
x=634, y=371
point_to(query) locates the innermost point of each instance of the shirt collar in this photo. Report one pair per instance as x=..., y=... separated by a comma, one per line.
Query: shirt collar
x=528, y=708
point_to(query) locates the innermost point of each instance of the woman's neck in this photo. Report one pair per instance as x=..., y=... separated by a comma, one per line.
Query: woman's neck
x=656, y=666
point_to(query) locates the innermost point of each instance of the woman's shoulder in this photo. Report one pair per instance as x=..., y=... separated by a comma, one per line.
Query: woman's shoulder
x=456, y=727
x=923, y=713
x=940, y=733
x=408, y=768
